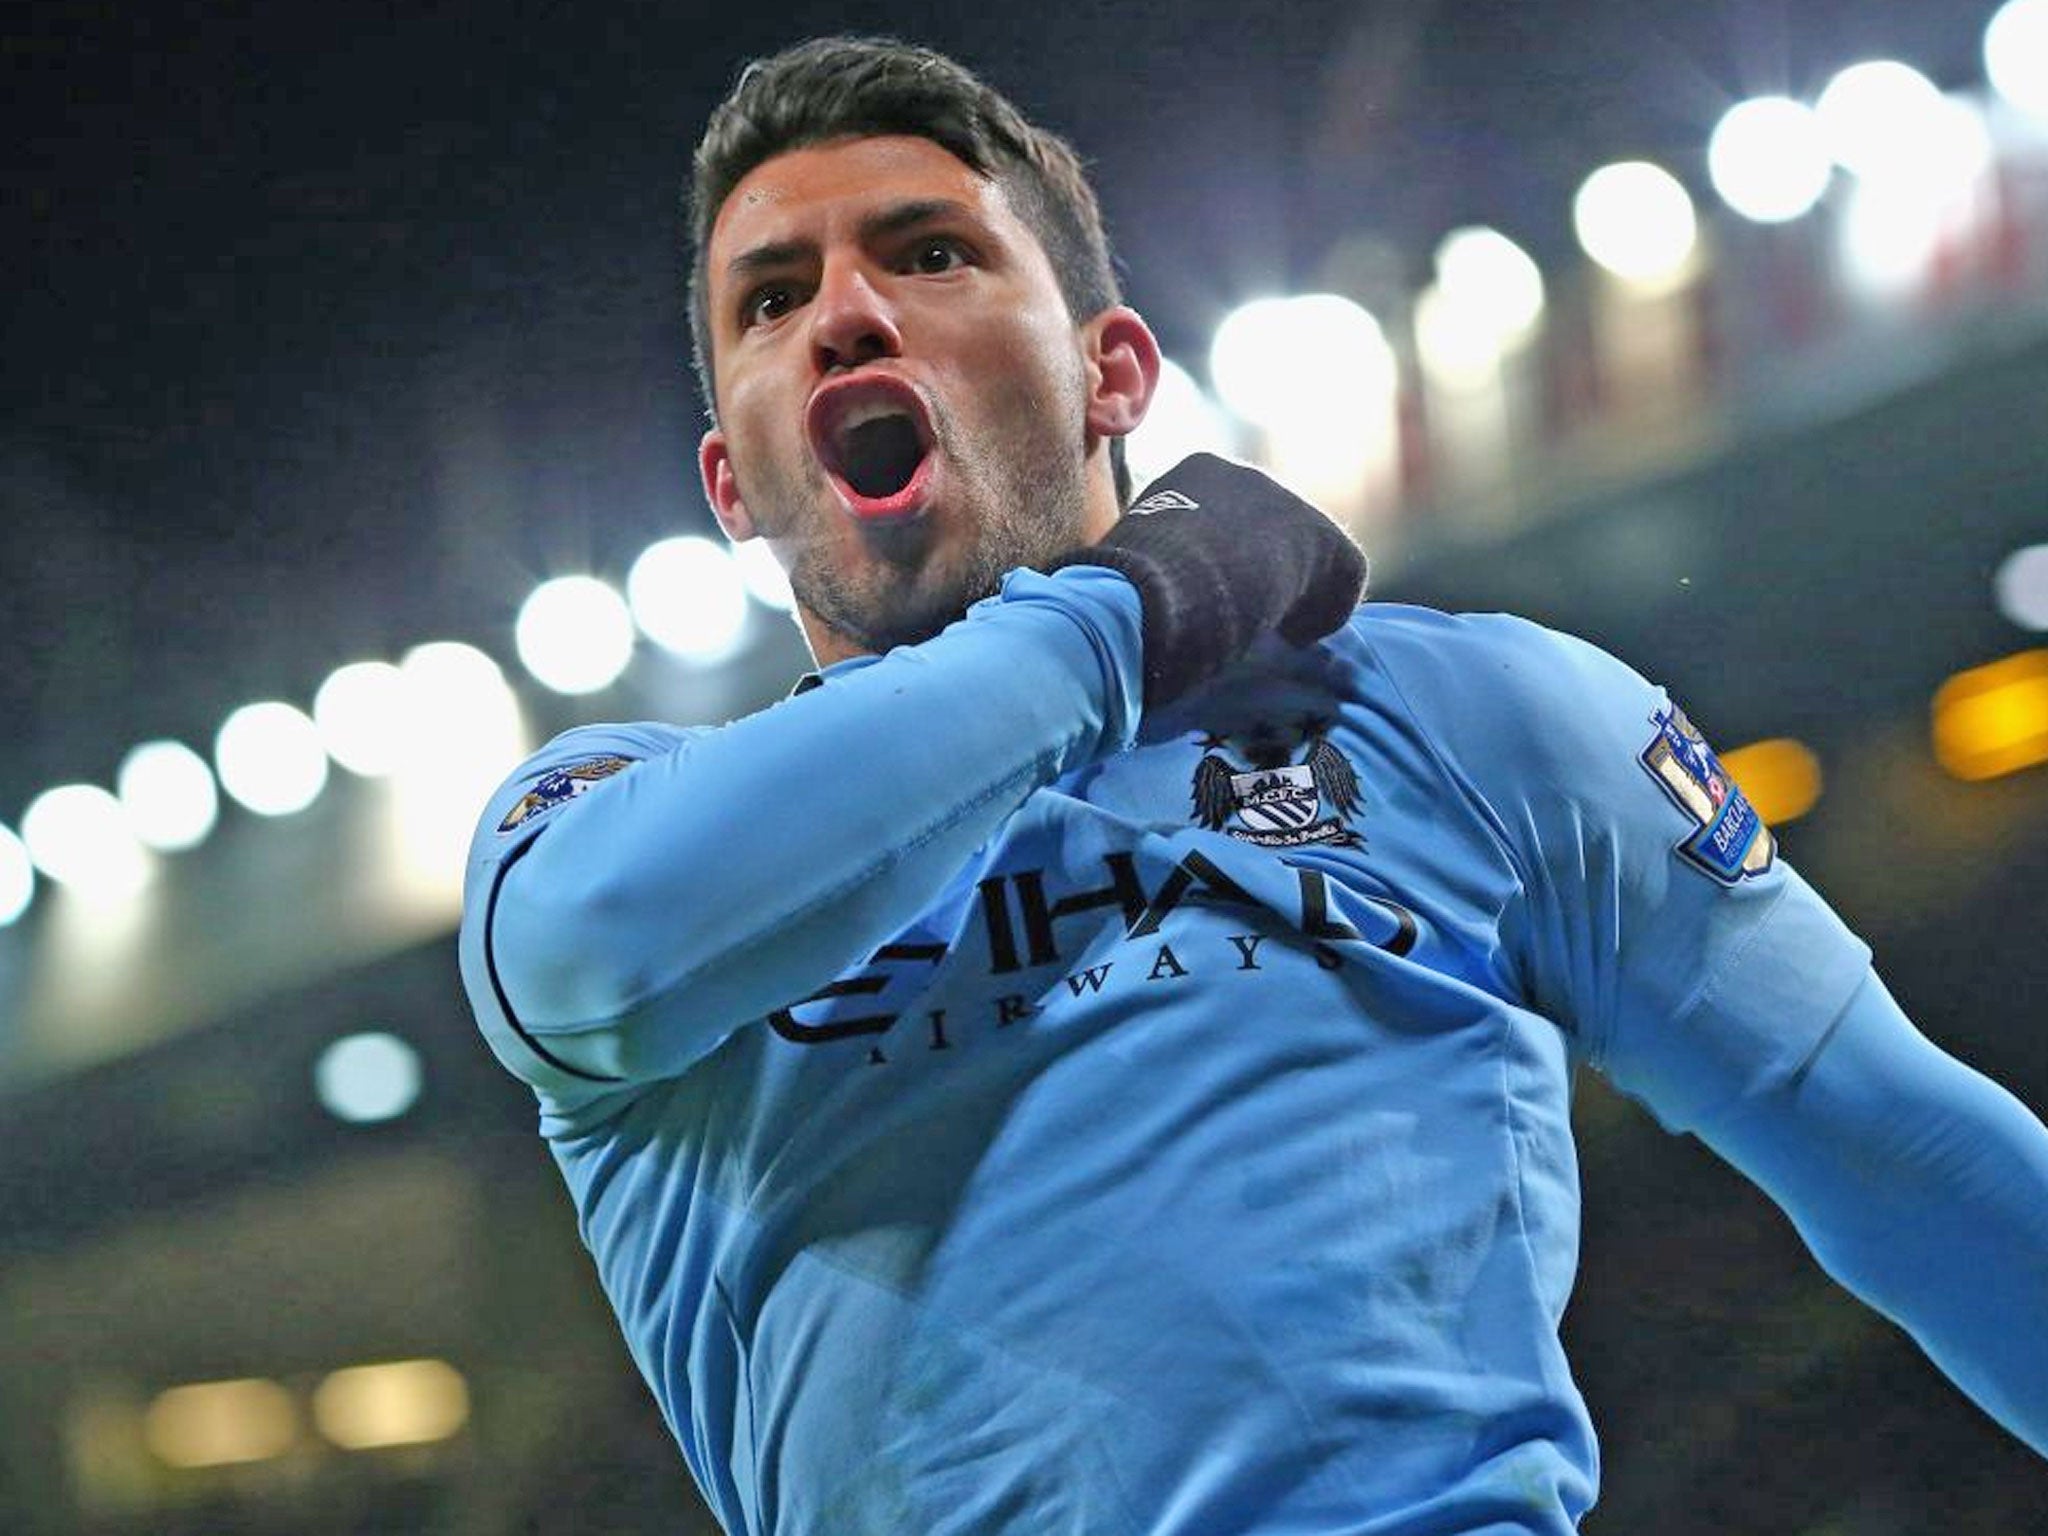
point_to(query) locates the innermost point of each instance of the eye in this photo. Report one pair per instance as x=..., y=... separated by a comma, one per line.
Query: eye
x=936, y=254
x=769, y=302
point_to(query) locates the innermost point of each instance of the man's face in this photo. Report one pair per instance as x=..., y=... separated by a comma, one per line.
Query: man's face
x=905, y=406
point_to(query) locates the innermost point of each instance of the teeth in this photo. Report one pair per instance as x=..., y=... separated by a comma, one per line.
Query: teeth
x=873, y=410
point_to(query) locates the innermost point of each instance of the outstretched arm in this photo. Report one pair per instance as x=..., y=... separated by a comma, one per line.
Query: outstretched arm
x=1920, y=1185
x=1660, y=925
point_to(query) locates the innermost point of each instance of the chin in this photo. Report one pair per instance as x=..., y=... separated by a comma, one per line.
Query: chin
x=915, y=622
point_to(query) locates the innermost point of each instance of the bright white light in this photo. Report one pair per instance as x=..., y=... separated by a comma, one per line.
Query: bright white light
x=1962, y=146
x=574, y=634
x=1889, y=234
x=1318, y=361
x=1887, y=121
x=1484, y=273
x=168, y=794
x=1635, y=220
x=2016, y=54
x=459, y=717
x=1769, y=159
x=1458, y=347
x=1871, y=114
x=269, y=758
x=1920, y=159
x=445, y=672
x=767, y=582
x=360, y=711
x=2022, y=586
x=78, y=834
x=1181, y=420
x=17, y=878
x=688, y=597
x=366, y=1078
x=463, y=733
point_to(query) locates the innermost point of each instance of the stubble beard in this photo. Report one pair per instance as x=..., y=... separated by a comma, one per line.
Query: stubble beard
x=1014, y=507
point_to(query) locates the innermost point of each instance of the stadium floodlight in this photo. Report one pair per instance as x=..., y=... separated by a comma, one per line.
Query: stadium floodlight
x=17, y=878
x=767, y=583
x=394, y=1402
x=1298, y=365
x=1249, y=359
x=269, y=758
x=361, y=713
x=1905, y=208
x=1886, y=121
x=78, y=835
x=1634, y=219
x=574, y=634
x=366, y=1078
x=1181, y=420
x=1457, y=347
x=2021, y=586
x=1768, y=159
x=2016, y=54
x=221, y=1423
x=441, y=674
x=1887, y=238
x=168, y=793
x=460, y=715
x=1491, y=280
x=1315, y=375
x=689, y=598
x=464, y=732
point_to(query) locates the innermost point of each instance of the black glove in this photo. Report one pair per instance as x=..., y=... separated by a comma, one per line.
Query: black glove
x=1220, y=554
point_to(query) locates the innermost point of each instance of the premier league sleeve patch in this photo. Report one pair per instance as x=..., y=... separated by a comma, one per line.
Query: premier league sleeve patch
x=559, y=786
x=1731, y=842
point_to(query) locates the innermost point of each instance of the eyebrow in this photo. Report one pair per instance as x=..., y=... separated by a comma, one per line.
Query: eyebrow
x=880, y=225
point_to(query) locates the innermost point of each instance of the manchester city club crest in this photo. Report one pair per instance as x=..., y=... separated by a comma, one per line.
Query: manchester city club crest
x=1295, y=788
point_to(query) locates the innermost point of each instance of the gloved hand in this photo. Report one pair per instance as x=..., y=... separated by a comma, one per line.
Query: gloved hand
x=1220, y=554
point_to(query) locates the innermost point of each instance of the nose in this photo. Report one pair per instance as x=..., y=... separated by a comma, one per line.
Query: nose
x=851, y=320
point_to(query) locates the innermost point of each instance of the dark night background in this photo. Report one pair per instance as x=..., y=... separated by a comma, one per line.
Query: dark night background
x=332, y=325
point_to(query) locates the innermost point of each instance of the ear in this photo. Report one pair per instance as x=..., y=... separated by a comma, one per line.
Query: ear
x=1123, y=370
x=722, y=489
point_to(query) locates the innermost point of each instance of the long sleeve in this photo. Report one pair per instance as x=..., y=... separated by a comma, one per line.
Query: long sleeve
x=635, y=894
x=1658, y=924
x=1922, y=1186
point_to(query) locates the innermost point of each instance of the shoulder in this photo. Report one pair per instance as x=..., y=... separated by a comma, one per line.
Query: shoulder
x=1493, y=685
x=568, y=767
x=1490, y=650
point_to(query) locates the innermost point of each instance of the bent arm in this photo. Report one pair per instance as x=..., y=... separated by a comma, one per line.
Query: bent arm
x=704, y=886
x=1922, y=1186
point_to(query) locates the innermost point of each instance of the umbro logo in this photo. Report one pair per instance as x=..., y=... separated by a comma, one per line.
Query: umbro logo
x=1164, y=501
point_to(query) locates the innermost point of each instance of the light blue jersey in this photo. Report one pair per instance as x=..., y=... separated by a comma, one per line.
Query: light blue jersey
x=990, y=1116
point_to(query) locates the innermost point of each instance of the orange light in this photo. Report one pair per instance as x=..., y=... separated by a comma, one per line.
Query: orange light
x=1780, y=776
x=1993, y=719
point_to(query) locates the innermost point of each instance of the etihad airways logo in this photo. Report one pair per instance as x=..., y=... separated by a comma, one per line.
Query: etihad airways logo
x=1023, y=924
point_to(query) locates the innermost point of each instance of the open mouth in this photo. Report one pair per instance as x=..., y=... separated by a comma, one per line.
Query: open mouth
x=873, y=438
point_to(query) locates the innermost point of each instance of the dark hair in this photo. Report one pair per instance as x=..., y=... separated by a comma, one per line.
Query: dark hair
x=849, y=87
